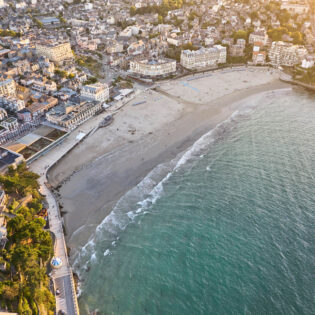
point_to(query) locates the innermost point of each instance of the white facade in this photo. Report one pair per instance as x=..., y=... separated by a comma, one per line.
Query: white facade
x=153, y=68
x=7, y=87
x=136, y=48
x=203, y=58
x=295, y=8
x=88, y=6
x=10, y=123
x=97, y=92
x=258, y=37
x=286, y=54
x=56, y=52
x=306, y=64
x=12, y=103
x=115, y=47
x=72, y=115
x=130, y=31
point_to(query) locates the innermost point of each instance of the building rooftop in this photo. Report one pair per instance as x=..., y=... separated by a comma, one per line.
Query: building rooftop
x=7, y=157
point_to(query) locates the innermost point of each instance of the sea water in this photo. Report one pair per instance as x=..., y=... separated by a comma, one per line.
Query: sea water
x=226, y=229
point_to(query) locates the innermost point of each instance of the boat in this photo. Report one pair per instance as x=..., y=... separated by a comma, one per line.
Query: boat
x=106, y=121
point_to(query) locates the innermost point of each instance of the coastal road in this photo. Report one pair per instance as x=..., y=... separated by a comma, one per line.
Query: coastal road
x=63, y=276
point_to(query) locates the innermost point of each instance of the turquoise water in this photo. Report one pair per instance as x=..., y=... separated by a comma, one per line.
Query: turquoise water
x=230, y=231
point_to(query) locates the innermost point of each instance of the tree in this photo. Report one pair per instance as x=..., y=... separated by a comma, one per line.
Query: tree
x=254, y=15
x=276, y=33
x=297, y=38
x=133, y=11
x=284, y=16
x=38, y=23
x=240, y=34
x=10, y=292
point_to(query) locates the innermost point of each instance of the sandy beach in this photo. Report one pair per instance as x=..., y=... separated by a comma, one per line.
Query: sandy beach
x=108, y=163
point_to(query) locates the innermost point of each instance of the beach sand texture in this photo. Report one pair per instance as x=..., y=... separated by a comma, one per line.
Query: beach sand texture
x=108, y=163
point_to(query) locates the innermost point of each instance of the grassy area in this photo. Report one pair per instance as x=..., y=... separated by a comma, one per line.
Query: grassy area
x=90, y=63
x=24, y=282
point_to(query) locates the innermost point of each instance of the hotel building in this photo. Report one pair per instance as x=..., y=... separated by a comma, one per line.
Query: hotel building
x=153, y=68
x=70, y=115
x=96, y=92
x=7, y=87
x=203, y=58
x=56, y=52
x=286, y=54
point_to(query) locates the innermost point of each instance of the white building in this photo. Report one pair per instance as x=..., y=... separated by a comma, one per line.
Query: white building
x=136, y=48
x=111, y=20
x=153, y=68
x=130, y=31
x=97, y=92
x=7, y=87
x=12, y=103
x=71, y=115
x=115, y=47
x=3, y=113
x=21, y=5
x=295, y=8
x=55, y=51
x=286, y=54
x=88, y=6
x=258, y=37
x=306, y=64
x=203, y=58
x=10, y=123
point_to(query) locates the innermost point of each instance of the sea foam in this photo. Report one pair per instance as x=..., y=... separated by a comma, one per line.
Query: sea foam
x=150, y=189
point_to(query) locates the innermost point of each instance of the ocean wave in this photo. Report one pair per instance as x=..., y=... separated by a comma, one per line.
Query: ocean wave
x=139, y=199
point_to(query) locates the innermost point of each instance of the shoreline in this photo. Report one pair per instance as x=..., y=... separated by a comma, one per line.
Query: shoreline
x=126, y=164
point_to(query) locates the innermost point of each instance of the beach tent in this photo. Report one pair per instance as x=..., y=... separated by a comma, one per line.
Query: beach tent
x=56, y=262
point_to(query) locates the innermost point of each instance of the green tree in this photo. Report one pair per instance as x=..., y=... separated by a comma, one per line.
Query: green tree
x=240, y=34
x=297, y=38
x=133, y=11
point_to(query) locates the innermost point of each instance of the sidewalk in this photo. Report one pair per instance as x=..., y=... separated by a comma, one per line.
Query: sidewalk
x=63, y=276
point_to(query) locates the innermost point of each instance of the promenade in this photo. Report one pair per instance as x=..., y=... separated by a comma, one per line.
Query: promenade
x=62, y=277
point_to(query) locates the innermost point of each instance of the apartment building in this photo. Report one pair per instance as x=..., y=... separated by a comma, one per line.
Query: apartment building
x=72, y=114
x=136, y=48
x=286, y=54
x=237, y=50
x=96, y=92
x=153, y=68
x=56, y=52
x=259, y=57
x=294, y=7
x=7, y=87
x=12, y=103
x=39, y=108
x=10, y=123
x=115, y=47
x=261, y=37
x=203, y=58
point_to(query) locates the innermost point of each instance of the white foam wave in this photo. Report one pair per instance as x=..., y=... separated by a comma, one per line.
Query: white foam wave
x=150, y=189
x=107, y=252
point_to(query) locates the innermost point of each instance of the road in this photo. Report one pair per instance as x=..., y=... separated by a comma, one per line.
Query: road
x=63, y=276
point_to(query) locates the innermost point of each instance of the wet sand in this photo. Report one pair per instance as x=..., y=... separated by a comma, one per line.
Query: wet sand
x=100, y=170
